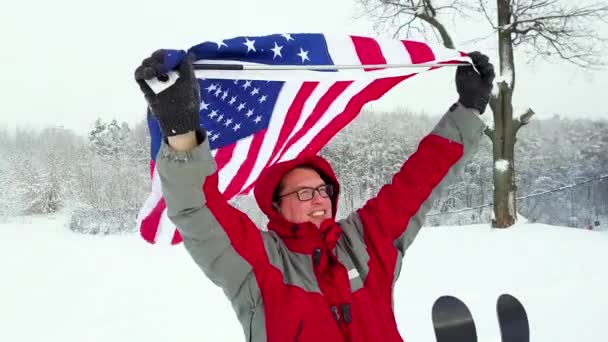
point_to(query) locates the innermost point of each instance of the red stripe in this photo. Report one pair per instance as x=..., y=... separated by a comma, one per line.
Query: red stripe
x=372, y=92
x=238, y=181
x=149, y=225
x=419, y=52
x=293, y=115
x=291, y=119
x=320, y=109
x=223, y=156
x=368, y=50
x=152, y=166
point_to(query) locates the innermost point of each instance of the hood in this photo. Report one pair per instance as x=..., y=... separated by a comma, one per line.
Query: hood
x=271, y=176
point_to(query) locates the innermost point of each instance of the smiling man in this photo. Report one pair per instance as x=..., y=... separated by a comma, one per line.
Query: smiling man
x=308, y=277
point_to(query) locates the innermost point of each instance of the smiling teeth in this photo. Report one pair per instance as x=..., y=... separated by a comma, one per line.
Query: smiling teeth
x=318, y=213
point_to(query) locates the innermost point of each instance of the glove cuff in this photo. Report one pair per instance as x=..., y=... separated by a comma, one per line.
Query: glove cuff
x=179, y=124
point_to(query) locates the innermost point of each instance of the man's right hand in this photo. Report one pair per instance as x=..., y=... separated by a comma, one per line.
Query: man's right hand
x=177, y=107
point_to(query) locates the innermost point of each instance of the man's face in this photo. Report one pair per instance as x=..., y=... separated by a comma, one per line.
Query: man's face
x=301, y=181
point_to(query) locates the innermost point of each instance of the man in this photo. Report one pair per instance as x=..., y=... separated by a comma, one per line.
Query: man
x=308, y=278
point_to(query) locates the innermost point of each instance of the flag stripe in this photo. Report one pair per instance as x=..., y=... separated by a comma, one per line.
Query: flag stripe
x=420, y=52
x=368, y=50
x=240, y=178
x=320, y=109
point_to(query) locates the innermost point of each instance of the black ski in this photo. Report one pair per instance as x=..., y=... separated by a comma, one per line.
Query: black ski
x=453, y=321
x=513, y=319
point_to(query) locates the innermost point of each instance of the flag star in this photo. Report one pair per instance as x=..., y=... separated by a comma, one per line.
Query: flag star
x=257, y=119
x=287, y=36
x=249, y=44
x=204, y=105
x=232, y=100
x=236, y=127
x=218, y=92
x=225, y=95
x=249, y=113
x=246, y=85
x=241, y=106
x=220, y=43
x=255, y=91
x=215, y=137
x=212, y=114
x=219, y=118
x=228, y=122
x=277, y=50
x=211, y=88
x=304, y=55
x=236, y=82
x=262, y=98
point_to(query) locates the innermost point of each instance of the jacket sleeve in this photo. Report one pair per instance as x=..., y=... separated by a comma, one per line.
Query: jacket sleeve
x=400, y=206
x=222, y=240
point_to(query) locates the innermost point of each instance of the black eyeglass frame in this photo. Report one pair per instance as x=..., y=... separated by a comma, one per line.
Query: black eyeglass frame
x=329, y=192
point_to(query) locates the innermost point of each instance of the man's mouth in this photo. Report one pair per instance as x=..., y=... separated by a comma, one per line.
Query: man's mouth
x=318, y=213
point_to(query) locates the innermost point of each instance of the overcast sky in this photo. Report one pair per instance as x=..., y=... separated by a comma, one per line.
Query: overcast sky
x=67, y=62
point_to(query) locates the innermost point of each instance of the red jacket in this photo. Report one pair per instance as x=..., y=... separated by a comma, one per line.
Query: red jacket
x=303, y=283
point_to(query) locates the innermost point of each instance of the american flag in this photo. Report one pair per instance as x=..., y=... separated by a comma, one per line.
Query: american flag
x=255, y=118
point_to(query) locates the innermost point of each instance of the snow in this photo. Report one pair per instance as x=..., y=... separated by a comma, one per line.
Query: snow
x=501, y=165
x=62, y=286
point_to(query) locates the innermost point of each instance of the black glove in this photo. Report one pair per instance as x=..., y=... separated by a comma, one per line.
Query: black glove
x=177, y=107
x=475, y=88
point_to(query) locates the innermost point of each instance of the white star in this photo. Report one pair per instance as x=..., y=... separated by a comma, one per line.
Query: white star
x=304, y=55
x=215, y=136
x=218, y=92
x=287, y=36
x=262, y=98
x=236, y=127
x=211, y=88
x=212, y=114
x=249, y=113
x=249, y=44
x=220, y=43
x=255, y=91
x=225, y=95
x=232, y=100
x=277, y=50
x=257, y=119
x=236, y=82
x=204, y=105
x=219, y=118
x=246, y=85
x=228, y=122
x=241, y=106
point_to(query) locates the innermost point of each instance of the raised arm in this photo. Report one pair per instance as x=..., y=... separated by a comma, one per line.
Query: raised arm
x=222, y=240
x=399, y=209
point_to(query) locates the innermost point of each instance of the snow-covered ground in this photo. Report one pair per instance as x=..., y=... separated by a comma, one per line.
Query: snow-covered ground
x=56, y=285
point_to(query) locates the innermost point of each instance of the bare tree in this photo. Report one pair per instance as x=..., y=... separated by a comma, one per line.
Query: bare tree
x=541, y=28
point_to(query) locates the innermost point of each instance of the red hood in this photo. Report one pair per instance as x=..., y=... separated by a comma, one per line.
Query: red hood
x=271, y=176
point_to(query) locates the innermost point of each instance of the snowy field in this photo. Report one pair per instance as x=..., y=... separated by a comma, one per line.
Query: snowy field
x=60, y=286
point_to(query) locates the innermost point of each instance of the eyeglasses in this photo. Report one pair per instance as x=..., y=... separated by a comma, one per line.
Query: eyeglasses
x=307, y=194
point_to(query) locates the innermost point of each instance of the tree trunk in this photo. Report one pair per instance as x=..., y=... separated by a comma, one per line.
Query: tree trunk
x=505, y=209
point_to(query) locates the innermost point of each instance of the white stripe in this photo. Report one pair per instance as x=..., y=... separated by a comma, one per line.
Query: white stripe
x=165, y=231
x=443, y=54
x=336, y=108
x=342, y=50
x=154, y=197
x=395, y=52
x=284, y=101
x=239, y=155
x=309, y=106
